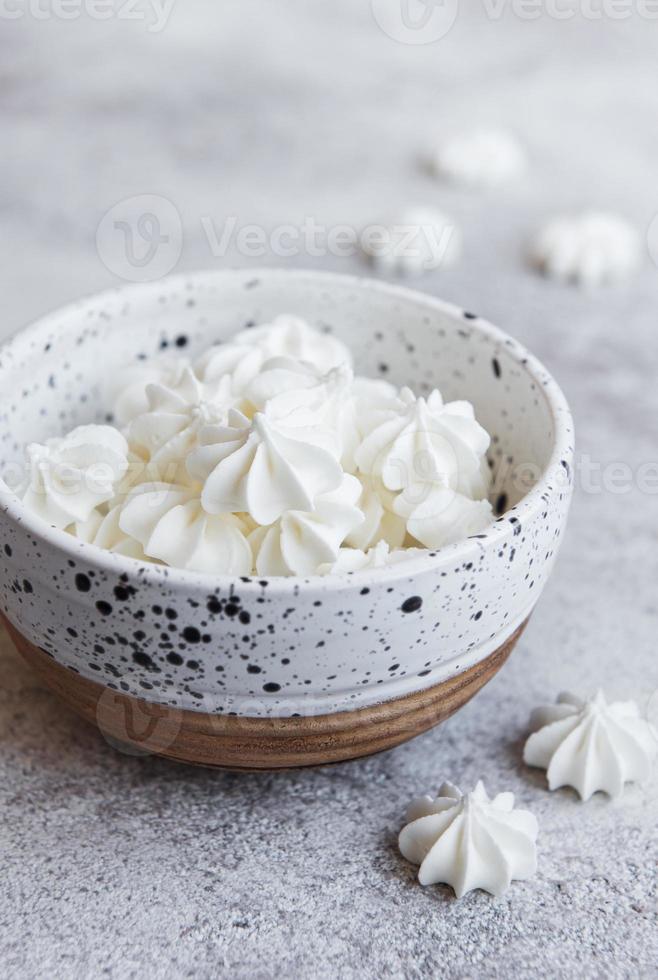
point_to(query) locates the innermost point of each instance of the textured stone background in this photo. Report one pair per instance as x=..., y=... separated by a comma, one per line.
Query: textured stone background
x=127, y=867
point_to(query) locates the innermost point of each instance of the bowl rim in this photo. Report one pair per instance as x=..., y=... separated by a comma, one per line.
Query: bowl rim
x=560, y=460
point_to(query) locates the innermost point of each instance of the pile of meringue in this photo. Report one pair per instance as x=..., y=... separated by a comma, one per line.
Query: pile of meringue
x=266, y=455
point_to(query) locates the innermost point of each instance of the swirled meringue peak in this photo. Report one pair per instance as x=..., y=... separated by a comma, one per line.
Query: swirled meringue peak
x=437, y=516
x=290, y=336
x=470, y=841
x=253, y=467
x=427, y=441
x=69, y=477
x=591, y=745
x=265, y=454
x=302, y=541
x=169, y=430
x=320, y=407
x=128, y=393
x=170, y=524
x=240, y=363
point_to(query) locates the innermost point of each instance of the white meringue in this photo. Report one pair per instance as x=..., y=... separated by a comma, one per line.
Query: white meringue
x=299, y=396
x=287, y=337
x=427, y=441
x=104, y=532
x=380, y=522
x=355, y=560
x=591, y=745
x=469, y=841
x=128, y=391
x=437, y=516
x=589, y=249
x=69, y=477
x=171, y=525
x=415, y=241
x=269, y=445
x=479, y=158
x=169, y=430
x=240, y=362
x=302, y=541
x=253, y=467
x=281, y=386
x=290, y=336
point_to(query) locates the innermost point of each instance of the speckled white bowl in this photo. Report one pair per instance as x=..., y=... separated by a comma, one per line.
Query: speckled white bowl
x=283, y=647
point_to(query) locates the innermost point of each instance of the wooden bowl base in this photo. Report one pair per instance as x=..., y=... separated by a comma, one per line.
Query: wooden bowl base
x=225, y=742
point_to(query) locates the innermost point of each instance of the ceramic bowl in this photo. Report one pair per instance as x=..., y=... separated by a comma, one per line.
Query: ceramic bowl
x=266, y=673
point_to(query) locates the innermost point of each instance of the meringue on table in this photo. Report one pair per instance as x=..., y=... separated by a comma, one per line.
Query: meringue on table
x=591, y=745
x=589, y=249
x=468, y=841
x=266, y=455
x=479, y=158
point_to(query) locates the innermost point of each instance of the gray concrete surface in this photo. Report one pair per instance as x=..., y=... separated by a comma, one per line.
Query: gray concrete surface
x=123, y=867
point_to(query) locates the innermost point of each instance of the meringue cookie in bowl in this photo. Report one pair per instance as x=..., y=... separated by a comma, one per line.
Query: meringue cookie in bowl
x=128, y=394
x=381, y=555
x=252, y=467
x=170, y=524
x=292, y=336
x=427, y=441
x=302, y=542
x=437, y=516
x=321, y=408
x=479, y=158
x=591, y=745
x=103, y=530
x=470, y=841
x=380, y=522
x=68, y=477
x=169, y=430
x=589, y=249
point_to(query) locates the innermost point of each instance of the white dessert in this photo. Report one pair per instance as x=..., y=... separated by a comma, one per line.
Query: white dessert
x=588, y=249
x=470, y=841
x=267, y=455
x=591, y=745
x=479, y=158
x=69, y=478
x=416, y=240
